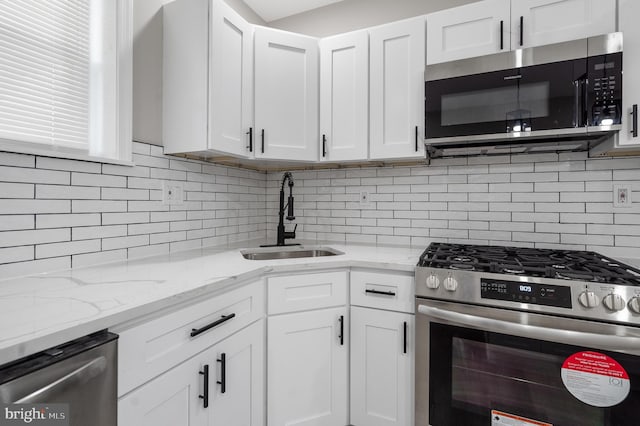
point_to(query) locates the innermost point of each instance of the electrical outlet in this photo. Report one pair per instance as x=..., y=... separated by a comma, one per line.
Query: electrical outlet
x=622, y=196
x=172, y=193
x=364, y=198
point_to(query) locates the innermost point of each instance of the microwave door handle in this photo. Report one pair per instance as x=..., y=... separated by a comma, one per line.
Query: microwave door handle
x=73, y=379
x=578, y=103
x=569, y=337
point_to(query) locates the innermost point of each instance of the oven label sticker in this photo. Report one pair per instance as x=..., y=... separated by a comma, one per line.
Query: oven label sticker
x=595, y=379
x=500, y=418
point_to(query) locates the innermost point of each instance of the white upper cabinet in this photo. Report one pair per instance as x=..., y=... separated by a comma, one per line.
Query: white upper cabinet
x=628, y=20
x=492, y=26
x=344, y=97
x=539, y=22
x=231, y=87
x=476, y=29
x=286, y=95
x=397, y=58
x=207, y=78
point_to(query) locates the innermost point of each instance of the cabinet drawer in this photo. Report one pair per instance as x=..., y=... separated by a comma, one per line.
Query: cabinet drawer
x=303, y=292
x=394, y=292
x=149, y=349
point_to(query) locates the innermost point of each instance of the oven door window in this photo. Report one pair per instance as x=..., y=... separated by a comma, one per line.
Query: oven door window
x=540, y=97
x=474, y=372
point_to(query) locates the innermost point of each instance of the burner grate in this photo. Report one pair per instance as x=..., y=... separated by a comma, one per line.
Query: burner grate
x=547, y=263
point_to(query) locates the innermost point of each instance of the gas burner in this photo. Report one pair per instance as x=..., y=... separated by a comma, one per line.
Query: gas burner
x=462, y=266
x=513, y=271
x=463, y=259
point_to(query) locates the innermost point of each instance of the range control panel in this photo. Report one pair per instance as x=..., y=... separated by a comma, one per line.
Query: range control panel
x=525, y=292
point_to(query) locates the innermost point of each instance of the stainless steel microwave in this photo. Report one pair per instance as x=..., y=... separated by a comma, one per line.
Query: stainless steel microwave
x=564, y=91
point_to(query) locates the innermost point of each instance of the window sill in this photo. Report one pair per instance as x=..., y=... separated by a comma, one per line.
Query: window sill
x=58, y=152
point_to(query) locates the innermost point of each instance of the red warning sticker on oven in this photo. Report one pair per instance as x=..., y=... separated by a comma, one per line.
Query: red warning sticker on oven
x=500, y=418
x=595, y=379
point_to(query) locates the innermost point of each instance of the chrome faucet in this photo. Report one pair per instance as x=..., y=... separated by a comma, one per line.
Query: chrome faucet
x=282, y=234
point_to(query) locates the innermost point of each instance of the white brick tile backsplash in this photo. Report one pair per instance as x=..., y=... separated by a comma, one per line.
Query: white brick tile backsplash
x=16, y=222
x=525, y=200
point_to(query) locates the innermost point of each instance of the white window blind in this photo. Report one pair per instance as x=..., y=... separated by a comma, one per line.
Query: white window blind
x=45, y=71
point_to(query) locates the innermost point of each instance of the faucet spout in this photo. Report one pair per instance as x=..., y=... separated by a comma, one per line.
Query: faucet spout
x=284, y=235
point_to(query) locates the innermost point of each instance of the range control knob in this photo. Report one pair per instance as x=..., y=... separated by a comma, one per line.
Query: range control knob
x=634, y=304
x=613, y=302
x=450, y=284
x=433, y=281
x=588, y=299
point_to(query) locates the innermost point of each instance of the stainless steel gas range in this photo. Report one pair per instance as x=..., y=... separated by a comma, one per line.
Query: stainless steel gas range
x=521, y=336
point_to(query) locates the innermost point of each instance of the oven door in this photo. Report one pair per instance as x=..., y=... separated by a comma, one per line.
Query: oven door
x=513, y=102
x=496, y=367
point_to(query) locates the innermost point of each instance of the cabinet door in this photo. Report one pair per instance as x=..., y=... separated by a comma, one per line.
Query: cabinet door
x=242, y=403
x=381, y=368
x=462, y=32
x=629, y=12
x=171, y=399
x=554, y=21
x=397, y=90
x=231, y=82
x=344, y=97
x=286, y=95
x=307, y=368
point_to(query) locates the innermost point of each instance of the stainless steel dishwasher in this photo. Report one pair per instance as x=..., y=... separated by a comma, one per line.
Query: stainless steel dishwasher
x=81, y=373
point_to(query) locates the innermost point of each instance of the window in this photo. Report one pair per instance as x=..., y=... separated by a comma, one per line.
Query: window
x=65, y=78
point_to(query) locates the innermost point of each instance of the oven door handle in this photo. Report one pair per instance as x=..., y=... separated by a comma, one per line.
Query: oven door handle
x=570, y=337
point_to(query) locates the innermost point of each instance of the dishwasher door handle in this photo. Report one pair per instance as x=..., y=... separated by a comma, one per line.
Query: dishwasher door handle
x=569, y=337
x=77, y=377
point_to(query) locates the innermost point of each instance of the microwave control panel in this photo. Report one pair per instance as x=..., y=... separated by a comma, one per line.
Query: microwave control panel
x=525, y=292
x=605, y=89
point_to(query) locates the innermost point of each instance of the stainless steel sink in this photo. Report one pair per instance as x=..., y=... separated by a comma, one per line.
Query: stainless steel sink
x=275, y=253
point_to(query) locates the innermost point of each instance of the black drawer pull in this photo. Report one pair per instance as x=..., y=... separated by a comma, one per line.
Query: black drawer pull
x=224, y=318
x=341, y=336
x=223, y=372
x=205, y=393
x=382, y=293
x=634, y=121
x=250, y=133
x=404, y=349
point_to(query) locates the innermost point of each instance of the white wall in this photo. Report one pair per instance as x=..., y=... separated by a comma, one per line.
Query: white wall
x=351, y=15
x=147, y=65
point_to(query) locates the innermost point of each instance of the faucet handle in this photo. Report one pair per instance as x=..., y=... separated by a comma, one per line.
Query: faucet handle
x=291, y=234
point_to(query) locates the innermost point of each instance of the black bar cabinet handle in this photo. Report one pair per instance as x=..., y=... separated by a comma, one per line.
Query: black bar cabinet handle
x=324, y=145
x=501, y=35
x=384, y=293
x=250, y=133
x=341, y=336
x=404, y=347
x=521, y=30
x=263, y=141
x=224, y=318
x=223, y=372
x=205, y=393
x=416, y=138
x=634, y=121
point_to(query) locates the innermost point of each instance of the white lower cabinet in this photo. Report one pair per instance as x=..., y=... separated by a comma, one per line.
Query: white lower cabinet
x=177, y=397
x=307, y=369
x=381, y=367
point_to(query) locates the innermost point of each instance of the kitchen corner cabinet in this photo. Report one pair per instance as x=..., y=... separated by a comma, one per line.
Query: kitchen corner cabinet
x=307, y=350
x=397, y=58
x=629, y=11
x=286, y=95
x=476, y=29
x=381, y=367
x=344, y=97
x=207, y=78
x=492, y=26
x=178, y=397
